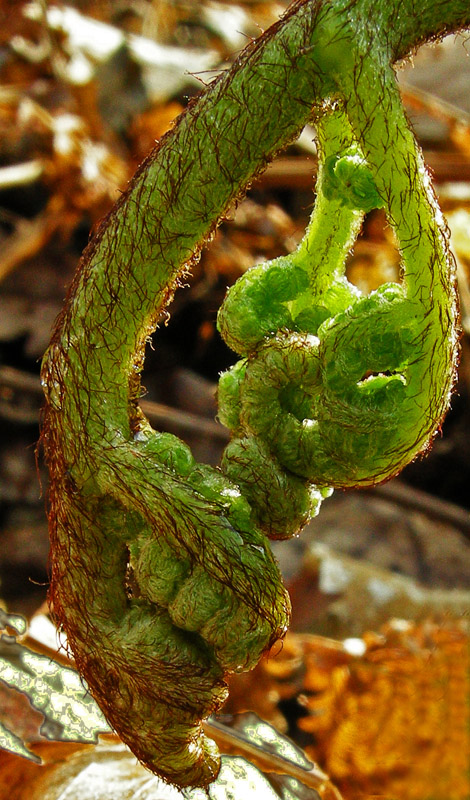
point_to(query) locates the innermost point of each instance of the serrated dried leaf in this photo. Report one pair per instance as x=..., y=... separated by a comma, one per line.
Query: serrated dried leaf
x=395, y=717
x=9, y=741
x=109, y=771
x=70, y=713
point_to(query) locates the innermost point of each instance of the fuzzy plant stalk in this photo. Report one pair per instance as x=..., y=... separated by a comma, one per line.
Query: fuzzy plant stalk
x=161, y=571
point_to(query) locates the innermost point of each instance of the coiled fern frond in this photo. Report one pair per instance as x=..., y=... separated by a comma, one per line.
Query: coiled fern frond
x=162, y=575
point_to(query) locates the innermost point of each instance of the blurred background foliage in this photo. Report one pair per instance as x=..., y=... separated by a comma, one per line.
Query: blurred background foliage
x=86, y=88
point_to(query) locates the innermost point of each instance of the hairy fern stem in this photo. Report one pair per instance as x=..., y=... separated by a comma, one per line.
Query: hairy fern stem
x=162, y=575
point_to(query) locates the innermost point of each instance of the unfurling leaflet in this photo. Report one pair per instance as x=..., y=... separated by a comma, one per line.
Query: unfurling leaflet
x=161, y=571
x=337, y=389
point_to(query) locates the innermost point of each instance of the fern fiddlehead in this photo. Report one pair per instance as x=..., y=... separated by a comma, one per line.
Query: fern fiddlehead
x=349, y=389
x=161, y=574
